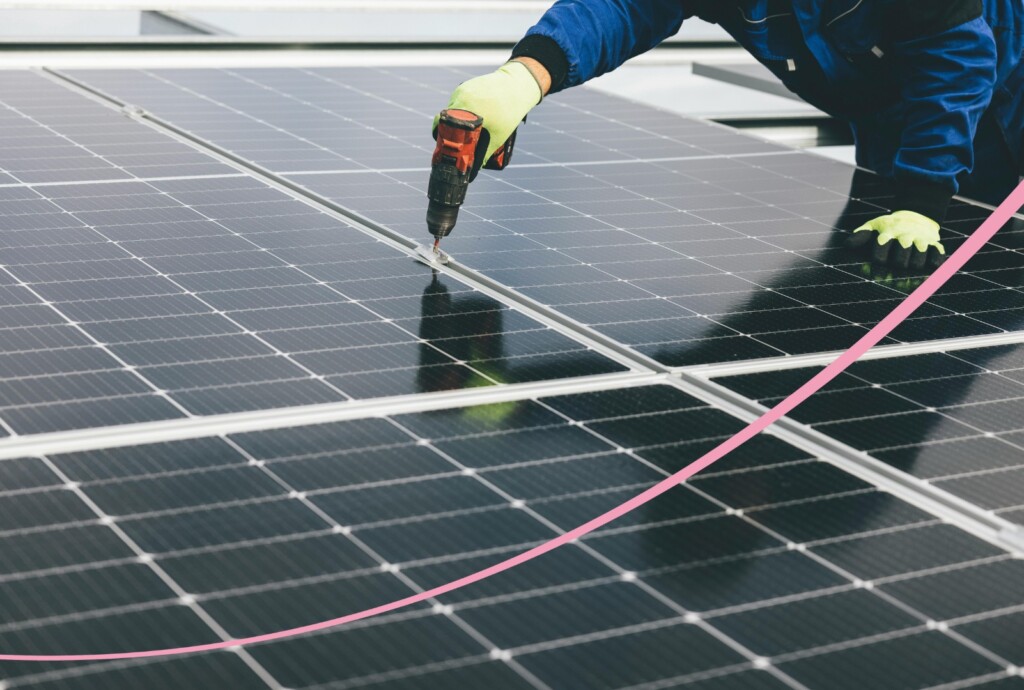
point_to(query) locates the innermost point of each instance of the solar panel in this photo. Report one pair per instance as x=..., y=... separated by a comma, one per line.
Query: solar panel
x=730, y=252
x=733, y=573
x=174, y=296
x=249, y=300
x=954, y=419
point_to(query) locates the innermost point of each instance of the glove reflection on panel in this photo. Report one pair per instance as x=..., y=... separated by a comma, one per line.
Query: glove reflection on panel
x=502, y=98
x=892, y=278
x=917, y=240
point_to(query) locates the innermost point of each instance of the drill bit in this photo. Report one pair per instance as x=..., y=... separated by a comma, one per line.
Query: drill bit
x=432, y=255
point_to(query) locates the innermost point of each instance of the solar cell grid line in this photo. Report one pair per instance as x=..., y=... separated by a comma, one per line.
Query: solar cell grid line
x=367, y=121
x=78, y=325
x=54, y=135
x=752, y=564
x=213, y=308
x=952, y=419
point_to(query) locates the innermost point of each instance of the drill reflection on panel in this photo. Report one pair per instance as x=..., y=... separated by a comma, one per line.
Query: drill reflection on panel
x=466, y=327
x=460, y=138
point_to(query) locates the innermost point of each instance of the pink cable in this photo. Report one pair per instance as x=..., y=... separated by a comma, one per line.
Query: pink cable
x=953, y=264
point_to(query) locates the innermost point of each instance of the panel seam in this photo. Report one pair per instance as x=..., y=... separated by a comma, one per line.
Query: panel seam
x=96, y=438
x=766, y=364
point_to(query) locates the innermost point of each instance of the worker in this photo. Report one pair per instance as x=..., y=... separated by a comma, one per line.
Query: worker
x=933, y=89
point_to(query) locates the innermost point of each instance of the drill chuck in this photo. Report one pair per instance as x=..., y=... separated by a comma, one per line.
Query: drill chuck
x=446, y=191
x=441, y=219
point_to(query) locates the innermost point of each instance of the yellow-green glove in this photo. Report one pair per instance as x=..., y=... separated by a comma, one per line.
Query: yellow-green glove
x=502, y=98
x=917, y=240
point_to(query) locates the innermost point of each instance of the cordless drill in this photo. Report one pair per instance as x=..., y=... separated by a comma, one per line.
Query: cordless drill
x=453, y=167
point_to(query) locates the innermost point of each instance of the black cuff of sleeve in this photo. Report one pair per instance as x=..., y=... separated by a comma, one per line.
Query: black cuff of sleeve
x=930, y=199
x=547, y=52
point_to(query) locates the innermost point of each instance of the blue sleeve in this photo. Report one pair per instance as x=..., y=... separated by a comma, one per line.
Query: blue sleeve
x=947, y=82
x=599, y=35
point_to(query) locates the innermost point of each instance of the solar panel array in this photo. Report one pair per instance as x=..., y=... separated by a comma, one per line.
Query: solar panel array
x=163, y=285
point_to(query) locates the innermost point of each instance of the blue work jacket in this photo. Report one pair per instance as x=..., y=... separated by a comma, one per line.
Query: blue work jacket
x=913, y=76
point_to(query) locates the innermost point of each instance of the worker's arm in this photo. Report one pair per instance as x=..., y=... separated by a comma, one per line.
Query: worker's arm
x=577, y=40
x=574, y=41
x=946, y=56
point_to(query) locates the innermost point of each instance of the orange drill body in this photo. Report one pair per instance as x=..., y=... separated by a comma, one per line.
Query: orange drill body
x=460, y=135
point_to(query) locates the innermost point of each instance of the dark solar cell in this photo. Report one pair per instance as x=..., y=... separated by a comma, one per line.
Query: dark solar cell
x=822, y=621
x=878, y=664
x=964, y=592
x=1000, y=634
x=899, y=552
